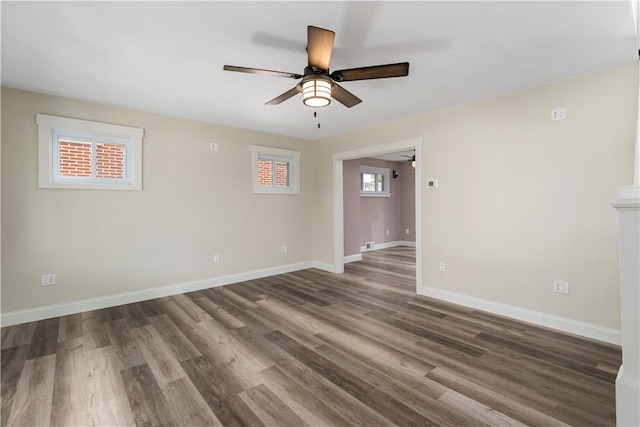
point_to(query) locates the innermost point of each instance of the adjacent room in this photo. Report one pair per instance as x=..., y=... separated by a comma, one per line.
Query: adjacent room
x=320, y=213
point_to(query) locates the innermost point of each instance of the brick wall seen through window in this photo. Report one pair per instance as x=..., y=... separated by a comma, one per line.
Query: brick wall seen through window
x=265, y=173
x=74, y=159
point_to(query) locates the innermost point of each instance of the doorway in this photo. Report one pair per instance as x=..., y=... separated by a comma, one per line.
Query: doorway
x=338, y=197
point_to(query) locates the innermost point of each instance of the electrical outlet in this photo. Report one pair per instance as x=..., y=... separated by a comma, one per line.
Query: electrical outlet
x=48, y=279
x=387, y=232
x=216, y=258
x=283, y=249
x=561, y=286
x=214, y=146
x=406, y=231
x=443, y=266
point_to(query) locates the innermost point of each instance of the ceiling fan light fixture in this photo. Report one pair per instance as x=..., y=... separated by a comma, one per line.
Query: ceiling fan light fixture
x=316, y=93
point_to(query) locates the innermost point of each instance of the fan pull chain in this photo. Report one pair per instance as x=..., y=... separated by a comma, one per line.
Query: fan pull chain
x=315, y=114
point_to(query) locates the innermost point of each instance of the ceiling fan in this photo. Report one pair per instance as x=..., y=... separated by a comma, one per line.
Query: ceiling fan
x=412, y=159
x=318, y=85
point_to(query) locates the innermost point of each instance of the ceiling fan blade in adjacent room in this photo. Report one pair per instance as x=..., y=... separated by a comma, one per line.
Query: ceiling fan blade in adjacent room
x=262, y=72
x=288, y=94
x=319, y=47
x=400, y=69
x=345, y=97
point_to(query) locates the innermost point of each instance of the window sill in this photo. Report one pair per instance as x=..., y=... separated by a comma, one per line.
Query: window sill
x=375, y=194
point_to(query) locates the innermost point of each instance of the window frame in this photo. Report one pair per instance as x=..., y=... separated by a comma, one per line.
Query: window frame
x=50, y=128
x=292, y=157
x=386, y=183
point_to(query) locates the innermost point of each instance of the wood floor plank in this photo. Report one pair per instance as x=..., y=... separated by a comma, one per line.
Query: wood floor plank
x=228, y=348
x=335, y=398
x=70, y=327
x=93, y=328
x=44, y=338
x=219, y=313
x=34, y=394
x=128, y=353
x=500, y=401
x=393, y=409
x=173, y=337
x=307, y=405
x=13, y=359
x=269, y=408
x=189, y=307
x=187, y=404
x=149, y=406
x=105, y=392
x=161, y=361
x=477, y=413
x=220, y=391
x=304, y=348
x=17, y=335
x=419, y=395
x=70, y=405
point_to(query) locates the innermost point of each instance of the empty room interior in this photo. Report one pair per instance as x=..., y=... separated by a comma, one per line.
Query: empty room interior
x=320, y=213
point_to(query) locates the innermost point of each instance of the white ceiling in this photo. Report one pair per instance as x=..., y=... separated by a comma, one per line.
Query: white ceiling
x=400, y=156
x=167, y=57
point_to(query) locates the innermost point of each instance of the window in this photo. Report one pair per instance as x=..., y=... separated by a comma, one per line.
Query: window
x=88, y=155
x=374, y=181
x=275, y=170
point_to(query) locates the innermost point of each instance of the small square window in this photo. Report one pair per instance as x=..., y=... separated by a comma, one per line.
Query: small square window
x=275, y=170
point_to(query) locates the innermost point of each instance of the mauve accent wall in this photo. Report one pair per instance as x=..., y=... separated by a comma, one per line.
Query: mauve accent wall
x=366, y=219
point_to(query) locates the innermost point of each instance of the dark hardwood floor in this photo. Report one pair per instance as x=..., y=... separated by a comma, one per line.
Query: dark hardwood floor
x=305, y=348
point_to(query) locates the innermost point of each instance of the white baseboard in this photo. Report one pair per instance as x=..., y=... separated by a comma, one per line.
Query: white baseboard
x=324, y=266
x=627, y=397
x=588, y=330
x=352, y=258
x=387, y=245
x=56, y=310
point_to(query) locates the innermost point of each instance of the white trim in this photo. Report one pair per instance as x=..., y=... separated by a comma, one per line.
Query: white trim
x=387, y=245
x=338, y=203
x=589, y=330
x=627, y=397
x=627, y=380
x=325, y=267
x=628, y=198
x=352, y=258
x=338, y=215
x=57, y=310
x=48, y=128
x=373, y=194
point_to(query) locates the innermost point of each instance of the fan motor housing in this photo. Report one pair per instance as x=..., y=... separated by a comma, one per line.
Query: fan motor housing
x=309, y=77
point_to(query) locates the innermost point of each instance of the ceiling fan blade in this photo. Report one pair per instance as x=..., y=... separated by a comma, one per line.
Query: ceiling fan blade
x=345, y=97
x=400, y=69
x=319, y=47
x=288, y=94
x=262, y=72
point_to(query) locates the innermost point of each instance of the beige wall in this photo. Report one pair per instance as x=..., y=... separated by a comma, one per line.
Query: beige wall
x=195, y=203
x=521, y=200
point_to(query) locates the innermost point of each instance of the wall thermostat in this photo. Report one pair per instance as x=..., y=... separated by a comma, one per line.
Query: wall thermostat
x=432, y=183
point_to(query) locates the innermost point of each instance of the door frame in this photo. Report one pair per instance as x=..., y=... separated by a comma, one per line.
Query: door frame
x=338, y=200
